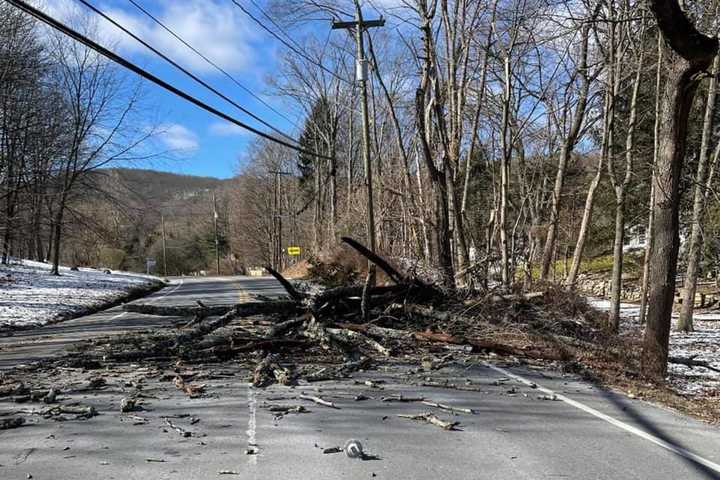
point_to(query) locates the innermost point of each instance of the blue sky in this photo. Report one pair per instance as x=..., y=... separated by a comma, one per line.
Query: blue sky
x=198, y=142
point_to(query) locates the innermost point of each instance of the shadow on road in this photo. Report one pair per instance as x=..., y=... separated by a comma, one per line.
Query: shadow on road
x=650, y=427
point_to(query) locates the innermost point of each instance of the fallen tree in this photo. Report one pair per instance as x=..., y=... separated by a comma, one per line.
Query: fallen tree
x=408, y=316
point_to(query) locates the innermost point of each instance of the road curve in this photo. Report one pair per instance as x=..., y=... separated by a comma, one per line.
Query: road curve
x=528, y=423
x=30, y=345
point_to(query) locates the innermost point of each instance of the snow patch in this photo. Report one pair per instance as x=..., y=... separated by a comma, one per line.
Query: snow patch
x=30, y=296
x=703, y=344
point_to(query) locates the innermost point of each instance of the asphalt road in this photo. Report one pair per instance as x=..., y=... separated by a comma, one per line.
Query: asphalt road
x=515, y=433
x=29, y=345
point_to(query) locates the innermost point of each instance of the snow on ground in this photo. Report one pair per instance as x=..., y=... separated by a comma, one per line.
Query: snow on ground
x=30, y=296
x=703, y=344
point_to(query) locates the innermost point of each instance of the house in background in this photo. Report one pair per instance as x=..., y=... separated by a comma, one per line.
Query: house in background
x=636, y=238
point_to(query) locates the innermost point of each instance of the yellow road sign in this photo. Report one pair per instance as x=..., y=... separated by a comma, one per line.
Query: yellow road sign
x=293, y=251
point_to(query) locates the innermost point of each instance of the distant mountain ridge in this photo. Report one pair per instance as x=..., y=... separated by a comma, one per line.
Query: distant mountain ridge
x=156, y=187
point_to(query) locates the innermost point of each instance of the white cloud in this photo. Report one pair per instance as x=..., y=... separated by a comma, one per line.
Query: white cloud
x=216, y=28
x=177, y=137
x=226, y=129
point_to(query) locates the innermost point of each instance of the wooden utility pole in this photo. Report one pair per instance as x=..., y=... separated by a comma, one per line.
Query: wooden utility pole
x=217, y=238
x=359, y=26
x=277, y=247
x=164, y=246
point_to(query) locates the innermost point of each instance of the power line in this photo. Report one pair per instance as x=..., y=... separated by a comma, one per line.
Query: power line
x=296, y=50
x=184, y=70
x=50, y=21
x=275, y=24
x=210, y=62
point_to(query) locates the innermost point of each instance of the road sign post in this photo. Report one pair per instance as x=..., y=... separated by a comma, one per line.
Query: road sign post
x=150, y=264
x=294, y=251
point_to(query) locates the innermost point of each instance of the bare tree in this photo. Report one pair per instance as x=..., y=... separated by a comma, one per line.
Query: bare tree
x=703, y=180
x=692, y=53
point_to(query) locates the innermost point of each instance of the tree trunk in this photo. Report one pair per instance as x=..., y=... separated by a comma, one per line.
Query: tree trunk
x=504, y=176
x=616, y=279
x=651, y=215
x=57, y=235
x=443, y=239
x=590, y=198
x=680, y=87
x=620, y=187
x=566, y=151
x=584, y=228
x=693, y=53
x=685, y=322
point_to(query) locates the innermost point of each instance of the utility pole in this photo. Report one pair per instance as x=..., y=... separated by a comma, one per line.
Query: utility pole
x=164, y=246
x=217, y=238
x=361, y=75
x=277, y=220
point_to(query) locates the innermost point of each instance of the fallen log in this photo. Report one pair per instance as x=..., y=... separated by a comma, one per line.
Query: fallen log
x=282, y=327
x=431, y=313
x=269, y=344
x=329, y=341
x=377, y=332
x=353, y=293
x=248, y=309
x=394, y=275
x=238, y=311
x=514, y=297
x=349, y=336
x=691, y=362
x=483, y=344
x=174, y=311
x=294, y=294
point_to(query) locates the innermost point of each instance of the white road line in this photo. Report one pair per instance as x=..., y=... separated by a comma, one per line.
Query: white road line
x=118, y=316
x=182, y=280
x=252, y=425
x=613, y=421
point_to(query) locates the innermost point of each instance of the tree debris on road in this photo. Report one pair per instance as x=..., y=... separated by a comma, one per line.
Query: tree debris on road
x=432, y=419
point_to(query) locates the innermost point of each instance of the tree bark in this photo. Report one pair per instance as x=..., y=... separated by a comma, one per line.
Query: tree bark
x=621, y=189
x=685, y=322
x=57, y=233
x=693, y=53
x=651, y=215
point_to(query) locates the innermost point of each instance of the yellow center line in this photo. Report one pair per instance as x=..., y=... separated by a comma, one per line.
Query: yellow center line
x=244, y=296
